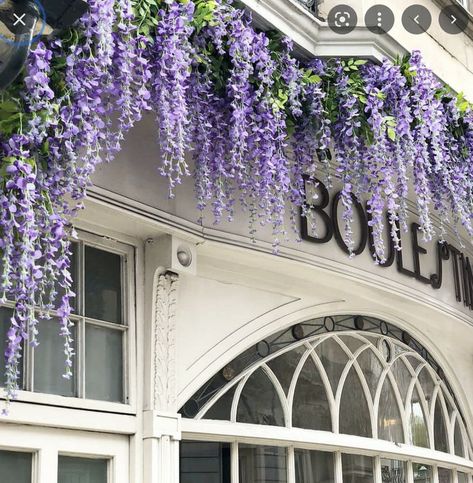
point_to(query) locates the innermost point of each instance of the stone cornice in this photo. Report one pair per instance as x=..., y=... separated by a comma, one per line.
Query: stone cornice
x=314, y=38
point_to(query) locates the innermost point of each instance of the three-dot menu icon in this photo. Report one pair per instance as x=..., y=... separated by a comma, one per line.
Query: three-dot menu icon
x=379, y=19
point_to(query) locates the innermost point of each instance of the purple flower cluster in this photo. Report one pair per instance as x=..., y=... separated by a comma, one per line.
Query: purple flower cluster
x=69, y=128
x=239, y=113
x=171, y=60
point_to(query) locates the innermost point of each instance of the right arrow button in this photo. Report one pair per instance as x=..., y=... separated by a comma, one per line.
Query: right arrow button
x=453, y=19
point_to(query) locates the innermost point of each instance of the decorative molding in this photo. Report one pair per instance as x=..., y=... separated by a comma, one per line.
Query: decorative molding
x=314, y=37
x=164, y=340
x=159, y=424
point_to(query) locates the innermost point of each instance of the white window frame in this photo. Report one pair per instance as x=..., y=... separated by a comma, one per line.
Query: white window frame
x=127, y=252
x=200, y=429
x=46, y=444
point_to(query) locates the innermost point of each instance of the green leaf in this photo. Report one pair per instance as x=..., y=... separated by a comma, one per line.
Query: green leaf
x=391, y=133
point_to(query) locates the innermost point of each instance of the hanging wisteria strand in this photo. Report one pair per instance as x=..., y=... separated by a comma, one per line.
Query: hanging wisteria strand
x=235, y=109
x=69, y=92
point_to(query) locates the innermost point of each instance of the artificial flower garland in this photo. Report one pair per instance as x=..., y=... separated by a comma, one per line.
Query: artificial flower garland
x=254, y=118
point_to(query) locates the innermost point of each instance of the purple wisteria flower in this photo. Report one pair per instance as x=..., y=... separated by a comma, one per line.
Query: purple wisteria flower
x=236, y=110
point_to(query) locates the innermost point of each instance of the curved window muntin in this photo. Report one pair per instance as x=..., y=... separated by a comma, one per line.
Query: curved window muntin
x=302, y=331
x=441, y=388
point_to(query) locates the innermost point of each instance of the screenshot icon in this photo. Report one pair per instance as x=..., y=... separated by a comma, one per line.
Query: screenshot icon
x=342, y=19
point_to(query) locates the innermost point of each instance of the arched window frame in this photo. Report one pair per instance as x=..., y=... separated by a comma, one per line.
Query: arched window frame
x=222, y=430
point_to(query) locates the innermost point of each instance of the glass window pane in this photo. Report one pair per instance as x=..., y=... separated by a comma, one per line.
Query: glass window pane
x=74, y=269
x=422, y=473
x=82, y=470
x=285, y=365
x=15, y=467
x=393, y=471
x=458, y=440
x=354, y=413
x=440, y=428
x=334, y=360
x=357, y=469
x=222, y=408
x=372, y=369
x=389, y=416
x=314, y=466
x=445, y=475
x=103, y=285
x=204, y=462
x=310, y=409
x=49, y=361
x=259, y=402
x=5, y=316
x=353, y=343
x=262, y=464
x=462, y=477
x=427, y=384
x=402, y=377
x=103, y=363
x=419, y=433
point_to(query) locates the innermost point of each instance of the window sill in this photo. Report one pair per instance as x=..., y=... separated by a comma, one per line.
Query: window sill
x=75, y=403
x=71, y=413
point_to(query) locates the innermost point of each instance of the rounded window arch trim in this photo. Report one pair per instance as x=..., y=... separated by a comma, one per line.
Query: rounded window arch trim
x=221, y=354
x=442, y=389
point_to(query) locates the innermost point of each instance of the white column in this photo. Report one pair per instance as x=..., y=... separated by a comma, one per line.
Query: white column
x=161, y=422
x=161, y=447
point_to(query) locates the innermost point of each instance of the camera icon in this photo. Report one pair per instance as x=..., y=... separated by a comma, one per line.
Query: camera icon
x=342, y=19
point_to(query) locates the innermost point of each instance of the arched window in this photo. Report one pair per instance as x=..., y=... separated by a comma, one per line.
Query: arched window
x=322, y=382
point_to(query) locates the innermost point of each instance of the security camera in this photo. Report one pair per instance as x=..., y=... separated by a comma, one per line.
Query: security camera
x=24, y=21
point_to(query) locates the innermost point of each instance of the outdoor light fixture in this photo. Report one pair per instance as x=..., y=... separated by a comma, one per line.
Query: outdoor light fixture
x=184, y=255
x=22, y=22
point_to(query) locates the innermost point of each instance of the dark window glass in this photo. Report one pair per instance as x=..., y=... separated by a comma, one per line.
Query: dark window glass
x=440, y=428
x=445, y=475
x=372, y=369
x=353, y=343
x=311, y=409
x=419, y=433
x=5, y=316
x=462, y=477
x=427, y=384
x=49, y=361
x=103, y=285
x=422, y=473
x=222, y=408
x=103, y=364
x=402, y=377
x=204, y=462
x=262, y=464
x=357, y=469
x=334, y=360
x=82, y=470
x=313, y=466
x=15, y=467
x=259, y=402
x=393, y=471
x=354, y=413
x=458, y=440
x=285, y=365
x=389, y=416
x=74, y=269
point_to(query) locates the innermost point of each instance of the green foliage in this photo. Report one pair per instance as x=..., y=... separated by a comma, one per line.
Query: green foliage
x=14, y=115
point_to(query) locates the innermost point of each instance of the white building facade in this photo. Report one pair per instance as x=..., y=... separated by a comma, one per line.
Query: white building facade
x=202, y=356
